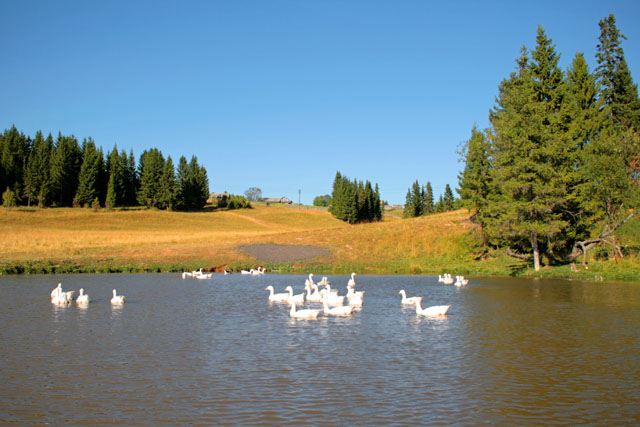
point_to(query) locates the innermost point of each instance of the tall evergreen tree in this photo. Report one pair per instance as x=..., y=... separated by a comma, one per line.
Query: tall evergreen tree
x=475, y=180
x=65, y=169
x=33, y=172
x=151, y=172
x=618, y=91
x=116, y=186
x=428, y=199
x=532, y=150
x=415, y=203
x=90, y=174
x=448, y=198
x=13, y=158
x=169, y=187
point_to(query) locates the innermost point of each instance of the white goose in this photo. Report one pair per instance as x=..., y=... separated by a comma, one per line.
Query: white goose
x=436, y=310
x=62, y=298
x=408, y=301
x=117, y=299
x=461, y=281
x=277, y=297
x=343, y=310
x=355, y=298
x=309, y=281
x=316, y=296
x=352, y=282
x=303, y=314
x=83, y=299
x=332, y=296
x=297, y=299
x=56, y=291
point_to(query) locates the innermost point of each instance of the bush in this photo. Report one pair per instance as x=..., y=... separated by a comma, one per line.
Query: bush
x=233, y=202
x=9, y=199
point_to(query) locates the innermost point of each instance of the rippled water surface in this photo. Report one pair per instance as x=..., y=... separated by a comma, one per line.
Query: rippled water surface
x=217, y=352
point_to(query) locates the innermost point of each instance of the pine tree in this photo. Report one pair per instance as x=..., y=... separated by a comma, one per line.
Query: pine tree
x=475, y=180
x=65, y=169
x=152, y=167
x=169, y=186
x=116, y=185
x=532, y=151
x=618, y=91
x=13, y=158
x=33, y=172
x=90, y=173
x=448, y=199
x=428, y=199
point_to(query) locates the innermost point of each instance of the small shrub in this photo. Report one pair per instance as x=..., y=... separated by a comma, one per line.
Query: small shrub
x=9, y=199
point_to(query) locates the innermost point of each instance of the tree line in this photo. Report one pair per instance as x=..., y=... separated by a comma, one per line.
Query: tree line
x=65, y=173
x=355, y=201
x=419, y=201
x=556, y=173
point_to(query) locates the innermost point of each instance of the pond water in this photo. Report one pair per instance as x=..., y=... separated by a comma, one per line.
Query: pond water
x=510, y=351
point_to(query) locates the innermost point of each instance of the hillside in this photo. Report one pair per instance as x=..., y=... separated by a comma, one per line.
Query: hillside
x=81, y=240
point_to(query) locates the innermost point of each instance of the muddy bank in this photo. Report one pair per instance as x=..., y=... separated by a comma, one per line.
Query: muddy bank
x=272, y=253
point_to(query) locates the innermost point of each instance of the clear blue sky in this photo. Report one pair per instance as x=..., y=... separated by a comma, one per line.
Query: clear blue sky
x=281, y=94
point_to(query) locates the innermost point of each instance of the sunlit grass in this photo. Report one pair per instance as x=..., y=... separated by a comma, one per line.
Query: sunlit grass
x=152, y=240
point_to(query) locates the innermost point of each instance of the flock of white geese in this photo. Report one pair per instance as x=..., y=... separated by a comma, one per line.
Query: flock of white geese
x=334, y=304
x=60, y=297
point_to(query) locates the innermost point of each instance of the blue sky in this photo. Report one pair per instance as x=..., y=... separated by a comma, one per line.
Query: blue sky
x=281, y=94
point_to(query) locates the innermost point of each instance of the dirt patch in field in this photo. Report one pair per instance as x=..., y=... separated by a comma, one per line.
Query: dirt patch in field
x=283, y=253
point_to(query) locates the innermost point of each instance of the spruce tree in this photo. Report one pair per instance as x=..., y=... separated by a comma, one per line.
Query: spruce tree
x=13, y=158
x=532, y=152
x=169, y=186
x=448, y=199
x=90, y=173
x=152, y=167
x=475, y=180
x=65, y=169
x=33, y=172
x=428, y=199
x=116, y=186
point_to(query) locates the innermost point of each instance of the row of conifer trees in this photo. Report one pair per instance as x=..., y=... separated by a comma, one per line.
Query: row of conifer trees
x=355, y=201
x=556, y=173
x=419, y=200
x=65, y=173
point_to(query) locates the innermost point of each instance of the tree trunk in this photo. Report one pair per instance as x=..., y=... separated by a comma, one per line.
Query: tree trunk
x=536, y=251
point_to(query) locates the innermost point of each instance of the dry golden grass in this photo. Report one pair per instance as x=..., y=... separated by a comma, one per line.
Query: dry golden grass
x=85, y=237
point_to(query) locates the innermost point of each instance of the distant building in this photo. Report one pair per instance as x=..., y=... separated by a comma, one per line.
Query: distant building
x=282, y=200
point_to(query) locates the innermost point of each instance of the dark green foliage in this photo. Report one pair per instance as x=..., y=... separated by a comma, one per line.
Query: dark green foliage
x=65, y=169
x=322, y=200
x=91, y=173
x=233, y=202
x=151, y=169
x=354, y=202
x=475, y=180
x=9, y=198
x=13, y=158
x=448, y=198
x=428, y=199
x=414, y=205
x=555, y=174
x=168, y=186
x=193, y=185
x=65, y=174
x=36, y=172
x=116, y=185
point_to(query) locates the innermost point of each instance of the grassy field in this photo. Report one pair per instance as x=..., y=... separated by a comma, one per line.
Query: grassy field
x=81, y=240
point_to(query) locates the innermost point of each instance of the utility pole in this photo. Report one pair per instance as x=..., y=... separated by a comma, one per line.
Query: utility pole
x=299, y=193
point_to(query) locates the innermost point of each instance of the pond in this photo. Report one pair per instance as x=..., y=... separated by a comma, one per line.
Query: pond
x=509, y=351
